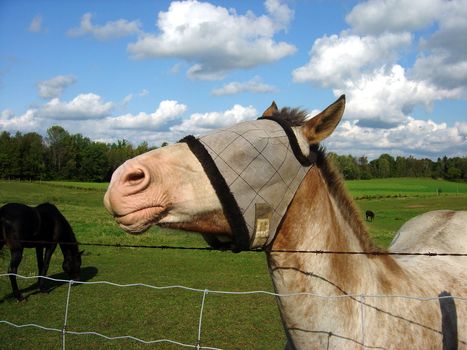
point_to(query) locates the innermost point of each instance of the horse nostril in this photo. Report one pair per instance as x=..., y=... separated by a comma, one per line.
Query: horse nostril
x=135, y=177
x=134, y=180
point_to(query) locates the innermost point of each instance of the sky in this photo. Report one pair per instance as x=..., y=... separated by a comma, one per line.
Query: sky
x=156, y=71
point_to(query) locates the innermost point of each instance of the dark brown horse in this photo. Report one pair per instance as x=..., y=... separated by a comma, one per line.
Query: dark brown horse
x=41, y=227
x=369, y=215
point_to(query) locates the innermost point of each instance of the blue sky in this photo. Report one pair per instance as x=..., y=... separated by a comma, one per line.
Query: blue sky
x=157, y=70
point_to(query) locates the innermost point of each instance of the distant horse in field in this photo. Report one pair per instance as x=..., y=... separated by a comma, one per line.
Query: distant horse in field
x=369, y=215
x=40, y=227
x=266, y=184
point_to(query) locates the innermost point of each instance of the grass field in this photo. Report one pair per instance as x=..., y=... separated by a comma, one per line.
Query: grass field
x=230, y=322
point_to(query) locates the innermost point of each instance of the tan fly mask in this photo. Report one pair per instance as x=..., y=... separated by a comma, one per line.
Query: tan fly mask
x=255, y=168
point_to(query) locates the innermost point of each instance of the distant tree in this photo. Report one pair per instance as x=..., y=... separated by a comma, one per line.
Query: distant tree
x=453, y=173
x=142, y=148
x=95, y=163
x=347, y=165
x=389, y=165
x=56, y=140
x=118, y=153
x=365, y=170
x=6, y=154
x=65, y=156
x=381, y=167
x=400, y=167
x=32, y=156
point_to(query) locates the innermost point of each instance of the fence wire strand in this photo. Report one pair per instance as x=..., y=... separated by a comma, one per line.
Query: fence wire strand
x=304, y=251
x=64, y=331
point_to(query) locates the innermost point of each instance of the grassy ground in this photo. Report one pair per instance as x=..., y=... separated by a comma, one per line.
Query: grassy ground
x=403, y=187
x=230, y=322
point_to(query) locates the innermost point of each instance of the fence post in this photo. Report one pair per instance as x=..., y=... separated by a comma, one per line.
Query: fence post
x=66, y=314
x=198, y=341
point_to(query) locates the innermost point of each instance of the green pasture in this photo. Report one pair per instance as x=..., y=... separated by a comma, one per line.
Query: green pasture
x=229, y=322
x=403, y=187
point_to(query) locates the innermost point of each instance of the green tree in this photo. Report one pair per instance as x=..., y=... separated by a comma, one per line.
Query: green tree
x=32, y=156
x=56, y=140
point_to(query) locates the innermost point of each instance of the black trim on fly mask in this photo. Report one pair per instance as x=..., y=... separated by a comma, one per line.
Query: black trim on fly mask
x=304, y=160
x=241, y=237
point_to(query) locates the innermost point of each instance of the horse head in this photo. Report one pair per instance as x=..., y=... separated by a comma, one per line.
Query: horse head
x=72, y=264
x=234, y=183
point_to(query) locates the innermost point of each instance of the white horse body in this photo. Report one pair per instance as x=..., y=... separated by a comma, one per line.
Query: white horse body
x=375, y=312
x=360, y=301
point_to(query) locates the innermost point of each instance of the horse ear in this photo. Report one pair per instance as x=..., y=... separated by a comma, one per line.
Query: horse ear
x=323, y=124
x=81, y=252
x=271, y=110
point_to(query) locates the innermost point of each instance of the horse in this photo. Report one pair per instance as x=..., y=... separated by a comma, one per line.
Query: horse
x=369, y=215
x=267, y=184
x=38, y=227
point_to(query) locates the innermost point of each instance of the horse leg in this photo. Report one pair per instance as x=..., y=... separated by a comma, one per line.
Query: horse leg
x=40, y=266
x=49, y=250
x=16, y=257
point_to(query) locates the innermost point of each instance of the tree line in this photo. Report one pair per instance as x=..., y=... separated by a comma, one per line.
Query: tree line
x=354, y=168
x=64, y=156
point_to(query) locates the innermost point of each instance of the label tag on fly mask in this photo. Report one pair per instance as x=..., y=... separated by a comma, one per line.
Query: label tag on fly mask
x=263, y=214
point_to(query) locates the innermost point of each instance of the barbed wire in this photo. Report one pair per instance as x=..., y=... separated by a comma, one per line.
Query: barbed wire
x=301, y=251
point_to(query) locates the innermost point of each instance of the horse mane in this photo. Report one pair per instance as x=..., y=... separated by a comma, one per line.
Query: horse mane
x=334, y=181
x=293, y=116
x=338, y=190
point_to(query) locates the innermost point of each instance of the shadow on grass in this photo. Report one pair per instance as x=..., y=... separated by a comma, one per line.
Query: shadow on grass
x=87, y=274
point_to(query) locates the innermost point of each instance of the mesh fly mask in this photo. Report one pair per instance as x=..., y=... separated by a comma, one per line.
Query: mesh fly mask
x=255, y=168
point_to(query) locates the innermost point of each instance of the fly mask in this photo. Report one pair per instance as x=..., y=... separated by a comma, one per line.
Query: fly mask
x=255, y=168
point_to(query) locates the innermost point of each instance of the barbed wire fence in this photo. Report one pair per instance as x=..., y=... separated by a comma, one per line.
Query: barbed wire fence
x=360, y=298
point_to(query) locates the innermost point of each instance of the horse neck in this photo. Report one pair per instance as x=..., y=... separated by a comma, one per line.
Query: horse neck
x=322, y=217
x=67, y=240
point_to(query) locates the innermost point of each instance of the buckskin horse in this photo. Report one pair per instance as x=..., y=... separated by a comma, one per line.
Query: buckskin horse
x=266, y=184
x=38, y=227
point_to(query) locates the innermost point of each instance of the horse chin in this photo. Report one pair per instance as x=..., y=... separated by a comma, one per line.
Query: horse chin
x=135, y=229
x=139, y=221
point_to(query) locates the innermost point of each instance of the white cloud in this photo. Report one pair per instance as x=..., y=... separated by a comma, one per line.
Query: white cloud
x=36, y=24
x=379, y=16
x=83, y=106
x=253, y=85
x=200, y=123
x=280, y=13
x=214, y=38
x=337, y=58
x=168, y=110
x=110, y=30
x=421, y=138
x=26, y=122
x=364, y=61
x=462, y=127
x=54, y=86
x=385, y=97
x=444, y=56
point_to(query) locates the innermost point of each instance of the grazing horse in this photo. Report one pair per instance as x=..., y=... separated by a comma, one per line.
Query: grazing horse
x=40, y=227
x=369, y=215
x=266, y=184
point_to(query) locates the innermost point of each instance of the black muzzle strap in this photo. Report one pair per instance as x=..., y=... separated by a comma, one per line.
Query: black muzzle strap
x=232, y=212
